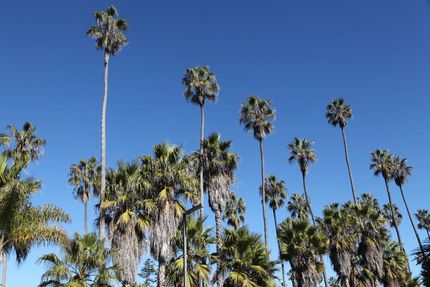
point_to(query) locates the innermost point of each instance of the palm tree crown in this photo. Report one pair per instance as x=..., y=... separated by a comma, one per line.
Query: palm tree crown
x=276, y=192
x=338, y=113
x=382, y=163
x=256, y=115
x=109, y=31
x=401, y=170
x=201, y=85
x=301, y=151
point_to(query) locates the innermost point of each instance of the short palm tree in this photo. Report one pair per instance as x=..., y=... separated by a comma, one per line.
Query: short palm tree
x=386, y=208
x=298, y=206
x=201, y=85
x=128, y=210
x=276, y=193
x=84, y=178
x=110, y=38
x=171, y=181
x=84, y=264
x=301, y=151
x=401, y=172
x=257, y=115
x=338, y=113
x=219, y=165
x=382, y=163
x=395, y=262
x=244, y=260
x=235, y=210
x=423, y=218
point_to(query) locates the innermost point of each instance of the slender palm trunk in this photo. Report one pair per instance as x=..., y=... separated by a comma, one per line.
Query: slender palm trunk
x=202, y=134
x=102, y=224
x=395, y=223
x=279, y=247
x=4, y=272
x=218, y=224
x=351, y=181
x=314, y=223
x=263, y=196
x=86, y=217
x=428, y=233
x=161, y=275
x=412, y=222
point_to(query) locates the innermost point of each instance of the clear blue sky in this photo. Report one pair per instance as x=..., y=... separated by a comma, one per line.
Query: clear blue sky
x=300, y=54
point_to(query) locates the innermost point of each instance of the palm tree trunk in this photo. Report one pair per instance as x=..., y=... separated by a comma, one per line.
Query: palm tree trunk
x=202, y=134
x=161, y=275
x=3, y=275
x=263, y=196
x=279, y=247
x=351, y=181
x=395, y=223
x=412, y=222
x=102, y=224
x=218, y=223
x=86, y=217
x=314, y=223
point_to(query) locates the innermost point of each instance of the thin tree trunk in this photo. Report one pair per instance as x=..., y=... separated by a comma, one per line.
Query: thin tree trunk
x=161, y=275
x=351, y=181
x=314, y=223
x=86, y=217
x=279, y=247
x=202, y=135
x=263, y=196
x=3, y=275
x=102, y=224
x=428, y=233
x=218, y=223
x=412, y=222
x=395, y=223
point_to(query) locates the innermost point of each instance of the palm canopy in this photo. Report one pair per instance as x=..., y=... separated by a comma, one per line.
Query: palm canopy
x=382, y=163
x=401, y=170
x=276, y=192
x=235, y=210
x=85, y=178
x=108, y=31
x=338, y=113
x=423, y=218
x=257, y=115
x=201, y=85
x=301, y=151
x=298, y=207
x=387, y=214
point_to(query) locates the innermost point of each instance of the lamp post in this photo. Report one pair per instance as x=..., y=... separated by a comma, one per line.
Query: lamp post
x=184, y=236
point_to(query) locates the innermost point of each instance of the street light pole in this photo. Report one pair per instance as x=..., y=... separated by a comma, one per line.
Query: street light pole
x=184, y=237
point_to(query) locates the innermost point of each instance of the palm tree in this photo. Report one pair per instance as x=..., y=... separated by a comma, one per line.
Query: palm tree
x=85, y=263
x=301, y=151
x=425, y=264
x=198, y=239
x=109, y=35
x=219, y=165
x=382, y=164
x=201, y=85
x=128, y=211
x=170, y=179
x=234, y=212
x=423, y=218
x=84, y=178
x=395, y=262
x=244, y=260
x=276, y=193
x=257, y=115
x=302, y=245
x=386, y=208
x=298, y=206
x=338, y=113
x=401, y=172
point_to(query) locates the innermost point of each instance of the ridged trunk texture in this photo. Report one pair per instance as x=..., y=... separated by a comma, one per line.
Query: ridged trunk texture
x=202, y=135
x=102, y=224
x=161, y=275
x=218, y=222
x=263, y=196
x=279, y=247
x=313, y=222
x=351, y=181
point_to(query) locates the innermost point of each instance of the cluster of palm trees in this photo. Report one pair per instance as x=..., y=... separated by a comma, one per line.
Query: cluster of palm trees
x=142, y=205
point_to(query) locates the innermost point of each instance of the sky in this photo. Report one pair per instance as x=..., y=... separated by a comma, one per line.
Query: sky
x=298, y=54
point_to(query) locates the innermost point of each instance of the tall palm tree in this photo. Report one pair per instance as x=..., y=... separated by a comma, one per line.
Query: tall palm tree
x=201, y=85
x=84, y=178
x=219, y=165
x=128, y=211
x=338, y=113
x=198, y=239
x=110, y=38
x=423, y=218
x=301, y=151
x=170, y=180
x=386, y=208
x=234, y=212
x=257, y=115
x=244, y=260
x=401, y=172
x=84, y=263
x=298, y=206
x=382, y=164
x=276, y=193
